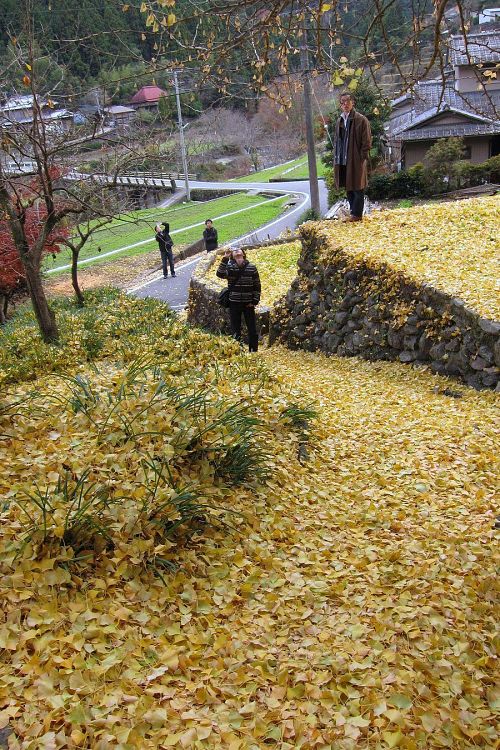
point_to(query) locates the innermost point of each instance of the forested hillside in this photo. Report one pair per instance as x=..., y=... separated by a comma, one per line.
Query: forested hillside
x=69, y=30
x=95, y=41
x=79, y=45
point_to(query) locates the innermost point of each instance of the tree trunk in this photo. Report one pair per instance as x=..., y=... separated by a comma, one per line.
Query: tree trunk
x=44, y=315
x=74, y=278
x=4, y=301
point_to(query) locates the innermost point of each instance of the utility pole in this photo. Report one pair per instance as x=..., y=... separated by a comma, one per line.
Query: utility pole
x=181, y=136
x=311, y=149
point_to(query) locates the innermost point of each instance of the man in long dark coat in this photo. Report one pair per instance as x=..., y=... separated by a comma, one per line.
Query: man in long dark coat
x=353, y=141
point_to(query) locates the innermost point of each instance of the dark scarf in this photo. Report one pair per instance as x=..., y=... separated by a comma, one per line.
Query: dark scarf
x=342, y=141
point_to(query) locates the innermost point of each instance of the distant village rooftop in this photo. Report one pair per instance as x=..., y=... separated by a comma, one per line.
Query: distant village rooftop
x=148, y=95
x=118, y=109
x=18, y=110
x=483, y=47
x=20, y=102
x=465, y=103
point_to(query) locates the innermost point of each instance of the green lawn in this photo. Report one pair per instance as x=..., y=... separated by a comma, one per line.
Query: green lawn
x=302, y=170
x=297, y=168
x=138, y=226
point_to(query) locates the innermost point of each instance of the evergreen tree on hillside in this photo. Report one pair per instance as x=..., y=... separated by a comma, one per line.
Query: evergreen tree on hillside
x=81, y=35
x=394, y=24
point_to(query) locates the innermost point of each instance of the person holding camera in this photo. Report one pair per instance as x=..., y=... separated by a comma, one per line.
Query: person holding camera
x=165, y=244
x=244, y=293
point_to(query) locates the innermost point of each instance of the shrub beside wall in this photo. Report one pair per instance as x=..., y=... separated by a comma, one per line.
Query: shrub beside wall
x=370, y=310
x=422, y=181
x=406, y=184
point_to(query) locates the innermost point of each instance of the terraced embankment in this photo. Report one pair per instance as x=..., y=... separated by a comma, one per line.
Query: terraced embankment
x=419, y=285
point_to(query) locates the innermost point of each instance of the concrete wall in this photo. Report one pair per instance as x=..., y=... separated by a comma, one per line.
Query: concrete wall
x=414, y=152
x=480, y=149
x=467, y=79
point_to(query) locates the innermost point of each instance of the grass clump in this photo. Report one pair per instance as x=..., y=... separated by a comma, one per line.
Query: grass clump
x=136, y=434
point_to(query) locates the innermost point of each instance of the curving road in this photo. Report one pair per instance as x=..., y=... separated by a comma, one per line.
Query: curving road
x=175, y=290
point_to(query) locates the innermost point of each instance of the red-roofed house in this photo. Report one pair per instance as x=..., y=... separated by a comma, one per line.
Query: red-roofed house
x=147, y=97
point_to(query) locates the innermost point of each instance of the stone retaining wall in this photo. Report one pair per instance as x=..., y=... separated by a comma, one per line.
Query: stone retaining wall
x=203, y=309
x=366, y=310
x=188, y=252
x=357, y=309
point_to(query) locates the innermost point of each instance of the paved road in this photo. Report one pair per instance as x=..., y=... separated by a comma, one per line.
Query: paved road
x=172, y=290
x=175, y=290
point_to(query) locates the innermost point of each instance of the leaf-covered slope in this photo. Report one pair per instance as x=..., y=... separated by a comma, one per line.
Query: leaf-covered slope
x=454, y=247
x=352, y=607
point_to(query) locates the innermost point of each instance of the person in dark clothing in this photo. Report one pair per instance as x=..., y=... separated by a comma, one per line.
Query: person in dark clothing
x=353, y=141
x=165, y=244
x=244, y=293
x=210, y=236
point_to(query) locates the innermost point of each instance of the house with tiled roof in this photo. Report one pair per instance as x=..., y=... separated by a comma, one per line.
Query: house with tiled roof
x=17, y=112
x=147, y=97
x=465, y=104
x=119, y=116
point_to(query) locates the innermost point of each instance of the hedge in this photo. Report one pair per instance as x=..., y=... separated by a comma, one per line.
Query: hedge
x=420, y=181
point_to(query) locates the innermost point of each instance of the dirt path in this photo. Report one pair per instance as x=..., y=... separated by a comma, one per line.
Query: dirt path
x=123, y=273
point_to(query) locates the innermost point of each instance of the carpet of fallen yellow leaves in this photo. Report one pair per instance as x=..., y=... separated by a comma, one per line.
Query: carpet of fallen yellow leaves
x=452, y=246
x=353, y=606
x=277, y=266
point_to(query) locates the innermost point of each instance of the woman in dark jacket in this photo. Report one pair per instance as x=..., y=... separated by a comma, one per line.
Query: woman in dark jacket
x=244, y=293
x=165, y=244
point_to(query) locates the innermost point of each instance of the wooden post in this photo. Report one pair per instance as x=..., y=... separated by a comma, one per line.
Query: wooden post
x=311, y=148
